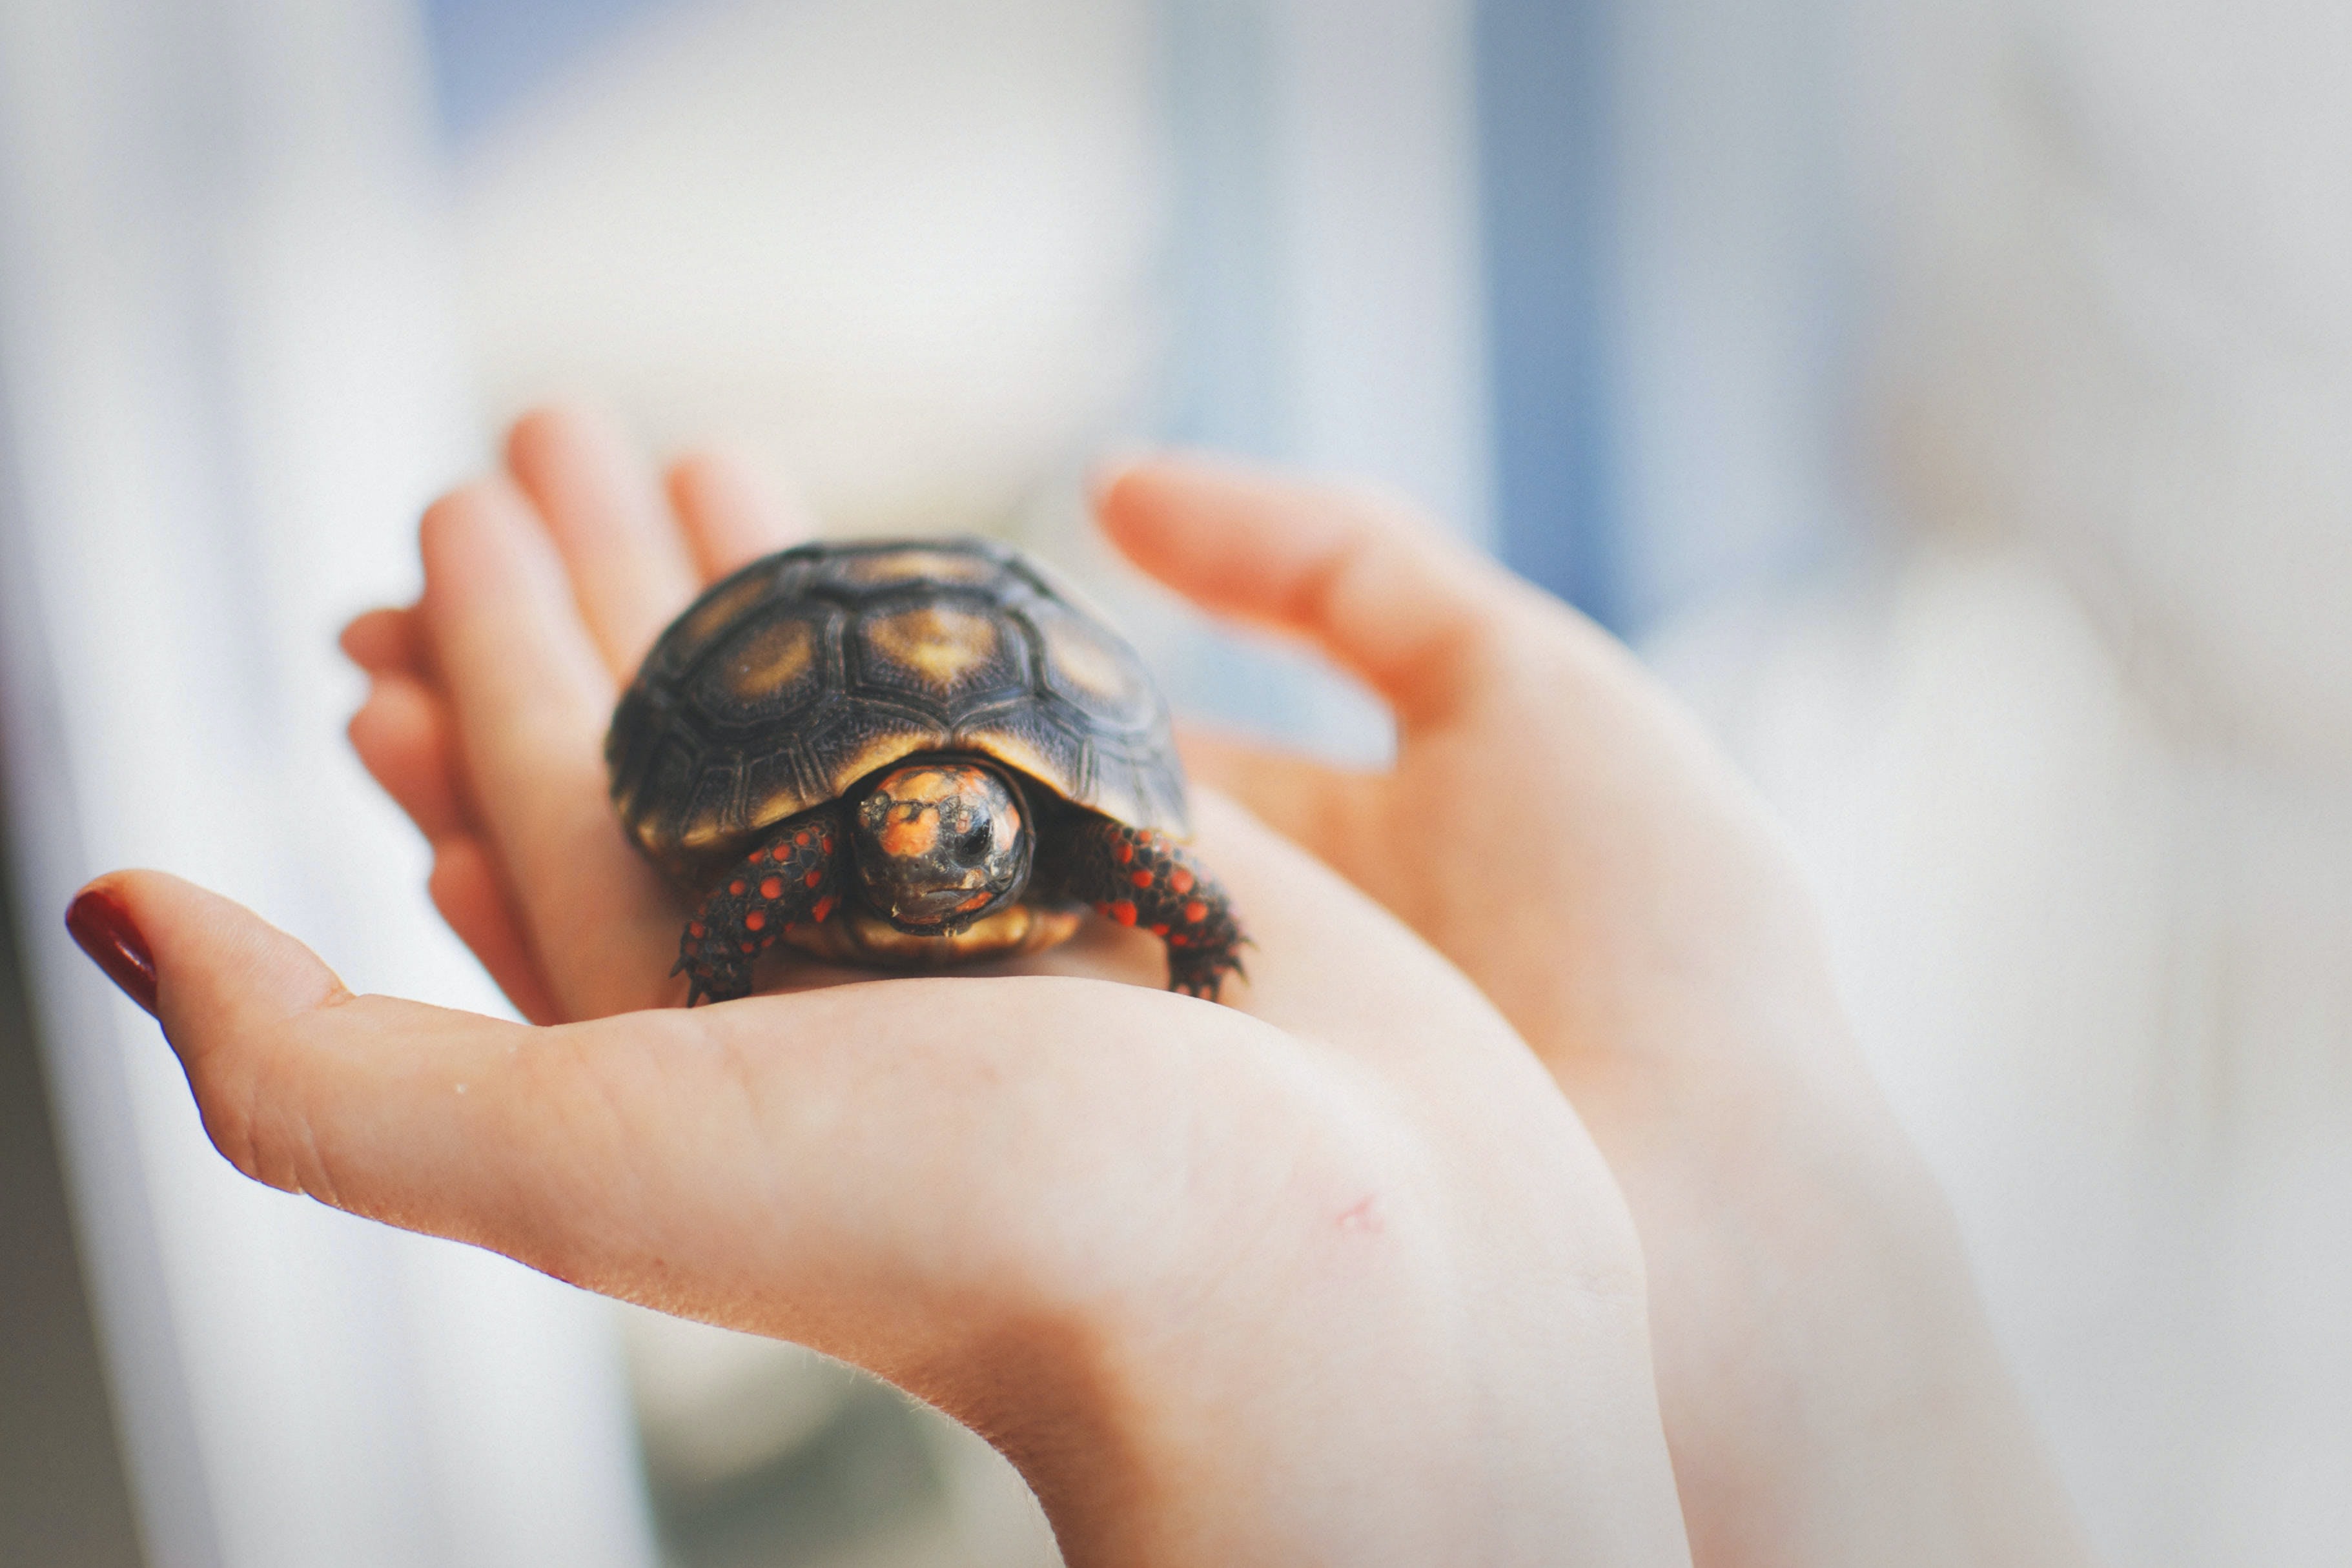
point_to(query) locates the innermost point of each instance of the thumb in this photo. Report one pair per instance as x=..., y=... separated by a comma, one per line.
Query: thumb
x=1382, y=590
x=827, y=1167
x=279, y=1054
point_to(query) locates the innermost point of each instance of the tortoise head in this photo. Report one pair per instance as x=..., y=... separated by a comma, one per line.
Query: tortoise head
x=939, y=844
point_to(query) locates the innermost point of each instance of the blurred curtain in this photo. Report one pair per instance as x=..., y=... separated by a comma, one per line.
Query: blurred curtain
x=227, y=386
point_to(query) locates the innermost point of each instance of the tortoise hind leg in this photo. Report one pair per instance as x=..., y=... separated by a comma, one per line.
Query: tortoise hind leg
x=1142, y=878
x=789, y=880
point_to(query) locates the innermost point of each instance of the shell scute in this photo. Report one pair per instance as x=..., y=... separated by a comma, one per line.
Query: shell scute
x=788, y=682
x=941, y=651
x=711, y=817
x=1086, y=666
x=897, y=565
x=1031, y=737
x=765, y=670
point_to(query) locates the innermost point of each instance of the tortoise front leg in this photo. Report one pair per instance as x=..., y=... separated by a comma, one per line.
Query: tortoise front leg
x=1142, y=878
x=789, y=880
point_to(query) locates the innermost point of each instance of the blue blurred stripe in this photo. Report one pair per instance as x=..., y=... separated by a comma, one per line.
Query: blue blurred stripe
x=1223, y=371
x=488, y=53
x=1546, y=188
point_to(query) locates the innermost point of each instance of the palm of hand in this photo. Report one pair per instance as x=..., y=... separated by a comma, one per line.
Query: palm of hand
x=1558, y=827
x=1120, y=1232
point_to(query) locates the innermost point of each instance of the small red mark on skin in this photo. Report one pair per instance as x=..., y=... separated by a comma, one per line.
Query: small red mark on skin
x=814, y=878
x=1363, y=1219
x=736, y=888
x=756, y=921
x=1195, y=912
x=1180, y=881
x=1141, y=879
x=772, y=888
x=1124, y=854
x=823, y=908
x=1123, y=912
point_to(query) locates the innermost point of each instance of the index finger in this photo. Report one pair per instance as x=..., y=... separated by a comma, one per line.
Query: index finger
x=730, y=512
x=601, y=506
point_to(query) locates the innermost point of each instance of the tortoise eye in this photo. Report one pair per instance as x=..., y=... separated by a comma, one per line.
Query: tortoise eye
x=973, y=846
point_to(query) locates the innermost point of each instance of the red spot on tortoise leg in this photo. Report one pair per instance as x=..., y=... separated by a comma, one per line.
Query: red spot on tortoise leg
x=1140, y=879
x=814, y=878
x=1195, y=912
x=756, y=921
x=1123, y=912
x=772, y=888
x=1123, y=854
x=823, y=908
x=735, y=887
x=1180, y=881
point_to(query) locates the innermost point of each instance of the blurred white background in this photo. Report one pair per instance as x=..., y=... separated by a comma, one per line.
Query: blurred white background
x=1948, y=397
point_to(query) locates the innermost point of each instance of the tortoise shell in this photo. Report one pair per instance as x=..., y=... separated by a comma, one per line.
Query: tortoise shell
x=788, y=682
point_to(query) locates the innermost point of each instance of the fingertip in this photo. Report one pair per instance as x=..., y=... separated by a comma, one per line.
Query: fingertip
x=404, y=736
x=220, y=971
x=455, y=518
x=733, y=509
x=1139, y=499
x=100, y=920
x=1114, y=464
x=381, y=639
x=546, y=434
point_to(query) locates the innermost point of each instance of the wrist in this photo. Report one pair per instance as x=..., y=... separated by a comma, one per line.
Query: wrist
x=1860, y=1409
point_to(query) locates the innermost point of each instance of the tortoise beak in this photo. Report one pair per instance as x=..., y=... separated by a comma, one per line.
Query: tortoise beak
x=945, y=907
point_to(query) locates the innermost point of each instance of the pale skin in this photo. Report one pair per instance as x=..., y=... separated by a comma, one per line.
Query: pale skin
x=1331, y=1275
x=1558, y=826
x=1334, y=1274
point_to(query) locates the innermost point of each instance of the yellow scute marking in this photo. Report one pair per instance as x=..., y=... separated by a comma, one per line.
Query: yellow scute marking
x=1087, y=662
x=943, y=645
x=906, y=565
x=877, y=753
x=705, y=622
x=704, y=830
x=784, y=803
x=773, y=658
x=1014, y=751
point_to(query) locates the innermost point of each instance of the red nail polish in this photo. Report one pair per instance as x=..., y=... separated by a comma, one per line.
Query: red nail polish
x=101, y=922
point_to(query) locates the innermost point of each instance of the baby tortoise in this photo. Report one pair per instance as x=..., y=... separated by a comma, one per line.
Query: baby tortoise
x=911, y=754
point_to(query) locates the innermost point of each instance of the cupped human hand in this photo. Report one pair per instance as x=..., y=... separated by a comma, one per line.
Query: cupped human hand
x=1335, y=1279
x=1333, y=1275
x=1558, y=826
